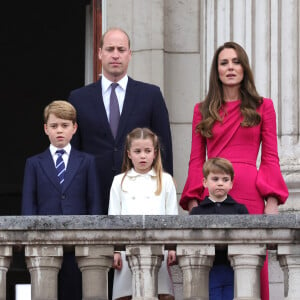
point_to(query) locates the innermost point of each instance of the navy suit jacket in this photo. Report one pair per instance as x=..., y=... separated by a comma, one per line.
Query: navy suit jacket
x=78, y=195
x=144, y=106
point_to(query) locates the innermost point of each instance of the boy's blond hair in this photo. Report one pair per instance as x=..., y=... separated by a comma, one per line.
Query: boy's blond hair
x=61, y=109
x=216, y=165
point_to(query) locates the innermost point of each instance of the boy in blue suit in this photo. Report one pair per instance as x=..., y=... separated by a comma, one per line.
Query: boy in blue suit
x=75, y=192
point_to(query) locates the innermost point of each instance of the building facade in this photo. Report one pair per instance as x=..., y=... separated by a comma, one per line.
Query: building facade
x=173, y=43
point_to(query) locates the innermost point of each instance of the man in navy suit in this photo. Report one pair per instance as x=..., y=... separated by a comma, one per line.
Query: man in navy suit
x=74, y=192
x=140, y=105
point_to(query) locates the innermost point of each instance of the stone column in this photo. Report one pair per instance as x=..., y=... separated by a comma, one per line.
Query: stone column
x=143, y=20
x=195, y=262
x=183, y=54
x=247, y=261
x=144, y=261
x=5, y=258
x=43, y=263
x=289, y=94
x=289, y=260
x=94, y=262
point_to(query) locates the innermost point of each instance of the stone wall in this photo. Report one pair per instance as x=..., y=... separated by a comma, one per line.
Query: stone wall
x=94, y=239
x=173, y=43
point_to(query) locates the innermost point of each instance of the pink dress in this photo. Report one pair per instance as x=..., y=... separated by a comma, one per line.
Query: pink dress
x=240, y=145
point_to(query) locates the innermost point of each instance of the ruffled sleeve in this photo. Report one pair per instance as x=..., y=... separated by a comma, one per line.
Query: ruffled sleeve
x=269, y=180
x=193, y=188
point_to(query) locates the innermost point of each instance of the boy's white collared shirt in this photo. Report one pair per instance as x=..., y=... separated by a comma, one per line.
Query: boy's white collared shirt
x=137, y=195
x=65, y=156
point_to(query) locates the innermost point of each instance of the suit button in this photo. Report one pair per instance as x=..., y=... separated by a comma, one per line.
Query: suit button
x=63, y=196
x=116, y=149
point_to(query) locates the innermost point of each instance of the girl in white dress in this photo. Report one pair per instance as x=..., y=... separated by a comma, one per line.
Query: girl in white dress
x=143, y=189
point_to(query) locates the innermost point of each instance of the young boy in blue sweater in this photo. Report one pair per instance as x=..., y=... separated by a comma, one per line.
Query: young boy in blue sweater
x=218, y=179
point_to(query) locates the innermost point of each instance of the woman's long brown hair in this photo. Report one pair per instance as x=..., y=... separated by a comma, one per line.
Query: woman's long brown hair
x=250, y=99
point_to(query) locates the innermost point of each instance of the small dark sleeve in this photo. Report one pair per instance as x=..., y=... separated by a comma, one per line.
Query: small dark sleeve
x=243, y=210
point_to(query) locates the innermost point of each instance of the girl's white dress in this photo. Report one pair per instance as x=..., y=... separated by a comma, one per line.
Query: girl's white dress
x=137, y=197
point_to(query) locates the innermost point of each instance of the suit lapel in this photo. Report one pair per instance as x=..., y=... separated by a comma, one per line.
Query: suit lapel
x=47, y=165
x=74, y=162
x=98, y=109
x=129, y=103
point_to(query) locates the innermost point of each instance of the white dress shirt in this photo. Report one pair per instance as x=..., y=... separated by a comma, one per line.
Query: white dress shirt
x=65, y=156
x=120, y=92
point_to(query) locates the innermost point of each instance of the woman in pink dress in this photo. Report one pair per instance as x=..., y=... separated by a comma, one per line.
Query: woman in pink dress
x=233, y=122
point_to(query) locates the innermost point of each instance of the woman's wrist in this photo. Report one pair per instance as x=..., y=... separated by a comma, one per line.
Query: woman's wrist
x=192, y=203
x=271, y=207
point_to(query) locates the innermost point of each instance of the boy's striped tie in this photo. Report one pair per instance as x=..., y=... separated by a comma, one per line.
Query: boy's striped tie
x=60, y=166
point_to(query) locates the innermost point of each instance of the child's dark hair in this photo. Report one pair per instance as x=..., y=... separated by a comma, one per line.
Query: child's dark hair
x=144, y=133
x=216, y=165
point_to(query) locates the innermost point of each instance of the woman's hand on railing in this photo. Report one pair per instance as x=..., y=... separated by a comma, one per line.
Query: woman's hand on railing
x=192, y=203
x=271, y=207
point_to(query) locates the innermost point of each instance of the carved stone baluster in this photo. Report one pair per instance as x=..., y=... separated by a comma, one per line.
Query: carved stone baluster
x=289, y=260
x=195, y=262
x=247, y=261
x=144, y=261
x=44, y=263
x=94, y=262
x=5, y=258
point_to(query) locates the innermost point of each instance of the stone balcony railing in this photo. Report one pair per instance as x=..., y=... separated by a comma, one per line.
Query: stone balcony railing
x=144, y=238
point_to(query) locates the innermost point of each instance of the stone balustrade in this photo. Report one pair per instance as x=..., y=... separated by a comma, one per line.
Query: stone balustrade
x=144, y=238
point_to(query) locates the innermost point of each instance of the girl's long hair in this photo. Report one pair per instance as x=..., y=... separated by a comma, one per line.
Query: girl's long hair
x=250, y=99
x=143, y=133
